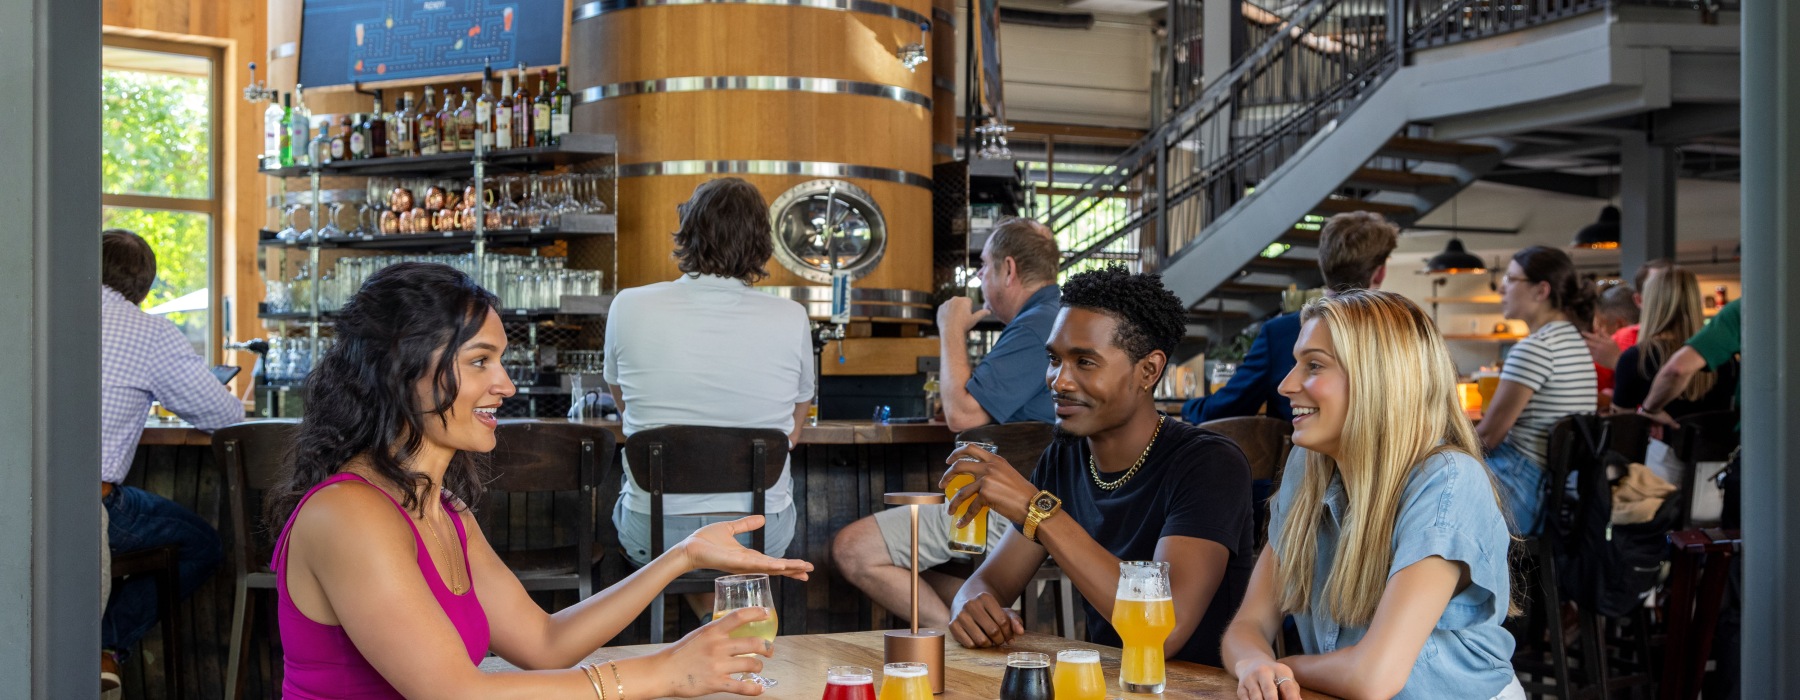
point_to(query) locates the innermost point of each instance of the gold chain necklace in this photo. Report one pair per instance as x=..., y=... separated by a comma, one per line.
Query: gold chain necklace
x=455, y=587
x=1094, y=465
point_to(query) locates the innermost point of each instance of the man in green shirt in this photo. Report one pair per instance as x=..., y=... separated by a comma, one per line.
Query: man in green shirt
x=1716, y=344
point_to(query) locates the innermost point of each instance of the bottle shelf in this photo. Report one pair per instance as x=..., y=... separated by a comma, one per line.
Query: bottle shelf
x=588, y=306
x=573, y=226
x=575, y=148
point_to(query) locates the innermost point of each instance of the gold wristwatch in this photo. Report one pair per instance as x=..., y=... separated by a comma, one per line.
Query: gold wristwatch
x=1043, y=505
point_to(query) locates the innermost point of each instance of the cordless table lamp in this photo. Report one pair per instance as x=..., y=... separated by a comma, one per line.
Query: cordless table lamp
x=916, y=645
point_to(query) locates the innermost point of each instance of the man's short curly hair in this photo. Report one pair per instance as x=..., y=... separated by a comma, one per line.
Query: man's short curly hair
x=1150, y=316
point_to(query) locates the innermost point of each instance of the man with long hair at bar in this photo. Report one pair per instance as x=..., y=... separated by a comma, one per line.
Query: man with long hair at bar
x=1386, y=541
x=387, y=587
x=1122, y=483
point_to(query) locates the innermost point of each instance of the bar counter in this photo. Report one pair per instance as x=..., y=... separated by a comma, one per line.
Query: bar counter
x=827, y=432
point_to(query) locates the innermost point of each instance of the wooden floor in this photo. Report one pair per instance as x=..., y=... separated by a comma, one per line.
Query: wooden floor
x=833, y=486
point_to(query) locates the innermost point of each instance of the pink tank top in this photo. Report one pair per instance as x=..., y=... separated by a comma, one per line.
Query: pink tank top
x=322, y=662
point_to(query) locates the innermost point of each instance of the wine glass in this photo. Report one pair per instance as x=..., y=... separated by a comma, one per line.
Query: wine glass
x=747, y=591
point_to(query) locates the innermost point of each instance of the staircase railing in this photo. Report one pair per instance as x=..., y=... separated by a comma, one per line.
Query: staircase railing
x=1159, y=195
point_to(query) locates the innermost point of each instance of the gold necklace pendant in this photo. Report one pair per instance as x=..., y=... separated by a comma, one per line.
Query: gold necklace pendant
x=1094, y=465
x=455, y=585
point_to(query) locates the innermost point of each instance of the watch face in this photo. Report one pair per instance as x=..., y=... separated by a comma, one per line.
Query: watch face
x=1045, y=502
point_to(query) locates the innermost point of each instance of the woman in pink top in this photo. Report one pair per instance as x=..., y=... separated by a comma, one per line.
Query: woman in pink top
x=387, y=587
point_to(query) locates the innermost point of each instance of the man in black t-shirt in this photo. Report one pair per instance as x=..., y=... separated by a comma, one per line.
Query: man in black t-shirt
x=1122, y=483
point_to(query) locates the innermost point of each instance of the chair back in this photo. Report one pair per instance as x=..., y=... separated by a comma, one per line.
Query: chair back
x=688, y=459
x=1021, y=444
x=1627, y=434
x=251, y=455
x=1265, y=441
x=1710, y=436
x=536, y=457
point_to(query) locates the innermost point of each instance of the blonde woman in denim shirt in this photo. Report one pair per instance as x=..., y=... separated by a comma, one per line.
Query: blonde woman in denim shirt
x=1387, y=541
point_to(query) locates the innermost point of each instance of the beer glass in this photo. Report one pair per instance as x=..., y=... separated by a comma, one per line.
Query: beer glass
x=970, y=539
x=1027, y=677
x=747, y=591
x=849, y=683
x=1144, y=615
x=1078, y=675
x=906, y=681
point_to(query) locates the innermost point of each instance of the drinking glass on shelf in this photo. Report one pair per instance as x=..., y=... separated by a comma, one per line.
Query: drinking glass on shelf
x=740, y=591
x=1143, y=615
x=1027, y=676
x=592, y=201
x=971, y=539
x=907, y=681
x=1078, y=675
x=849, y=683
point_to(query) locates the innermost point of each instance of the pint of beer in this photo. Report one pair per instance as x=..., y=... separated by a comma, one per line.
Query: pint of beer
x=971, y=539
x=1144, y=615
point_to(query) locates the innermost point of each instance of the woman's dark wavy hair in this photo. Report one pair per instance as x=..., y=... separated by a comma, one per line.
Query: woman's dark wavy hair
x=361, y=397
x=1570, y=294
x=725, y=231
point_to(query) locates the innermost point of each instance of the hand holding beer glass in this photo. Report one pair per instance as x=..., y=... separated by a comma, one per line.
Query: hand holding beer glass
x=972, y=538
x=747, y=591
x=1144, y=615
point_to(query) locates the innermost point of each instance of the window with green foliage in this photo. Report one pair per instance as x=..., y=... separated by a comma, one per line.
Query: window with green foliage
x=158, y=151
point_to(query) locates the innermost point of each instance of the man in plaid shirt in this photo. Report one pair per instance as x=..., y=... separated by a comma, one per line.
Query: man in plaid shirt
x=145, y=358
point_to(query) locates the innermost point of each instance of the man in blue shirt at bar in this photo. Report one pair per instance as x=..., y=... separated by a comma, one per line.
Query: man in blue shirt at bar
x=1353, y=253
x=1018, y=287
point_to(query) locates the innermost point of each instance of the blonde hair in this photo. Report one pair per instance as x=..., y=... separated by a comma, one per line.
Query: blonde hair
x=1671, y=315
x=1403, y=409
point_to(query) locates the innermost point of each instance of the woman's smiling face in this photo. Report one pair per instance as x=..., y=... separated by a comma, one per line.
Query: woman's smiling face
x=1319, y=390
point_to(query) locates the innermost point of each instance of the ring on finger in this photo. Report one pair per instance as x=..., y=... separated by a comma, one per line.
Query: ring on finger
x=1281, y=680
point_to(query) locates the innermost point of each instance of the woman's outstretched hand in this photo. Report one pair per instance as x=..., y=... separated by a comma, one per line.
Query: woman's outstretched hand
x=716, y=547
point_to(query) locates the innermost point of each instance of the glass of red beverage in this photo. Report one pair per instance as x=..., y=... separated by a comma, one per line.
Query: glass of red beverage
x=849, y=683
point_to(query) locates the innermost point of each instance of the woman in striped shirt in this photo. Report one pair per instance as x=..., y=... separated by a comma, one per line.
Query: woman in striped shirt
x=1547, y=375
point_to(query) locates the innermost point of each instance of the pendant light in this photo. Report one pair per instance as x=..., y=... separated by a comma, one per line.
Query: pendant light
x=1603, y=234
x=1455, y=260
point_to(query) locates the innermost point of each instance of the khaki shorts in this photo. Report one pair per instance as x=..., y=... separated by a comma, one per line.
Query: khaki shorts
x=934, y=534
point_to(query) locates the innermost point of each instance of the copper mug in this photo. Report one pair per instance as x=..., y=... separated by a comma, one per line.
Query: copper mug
x=390, y=222
x=434, y=198
x=400, y=199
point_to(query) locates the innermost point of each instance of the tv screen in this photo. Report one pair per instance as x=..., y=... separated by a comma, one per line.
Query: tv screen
x=344, y=41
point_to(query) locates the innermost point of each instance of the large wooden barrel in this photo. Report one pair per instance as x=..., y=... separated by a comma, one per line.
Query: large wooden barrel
x=778, y=92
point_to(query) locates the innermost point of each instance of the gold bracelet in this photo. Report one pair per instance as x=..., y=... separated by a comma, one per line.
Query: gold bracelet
x=592, y=671
x=617, y=678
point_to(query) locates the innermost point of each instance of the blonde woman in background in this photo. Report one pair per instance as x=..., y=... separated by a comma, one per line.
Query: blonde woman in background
x=1672, y=314
x=1387, y=542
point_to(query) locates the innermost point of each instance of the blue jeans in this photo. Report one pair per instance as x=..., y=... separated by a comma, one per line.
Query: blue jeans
x=141, y=520
x=1521, y=481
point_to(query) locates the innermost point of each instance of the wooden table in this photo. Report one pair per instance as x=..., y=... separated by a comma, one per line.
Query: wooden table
x=827, y=432
x=173, y=433
x=973, y=674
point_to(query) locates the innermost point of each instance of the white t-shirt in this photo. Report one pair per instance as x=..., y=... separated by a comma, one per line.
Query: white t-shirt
x=1554, y=363
x=708, y=351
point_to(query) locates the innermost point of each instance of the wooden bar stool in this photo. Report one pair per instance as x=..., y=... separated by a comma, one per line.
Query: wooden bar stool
x=685, y=459
x=533, y=457
x=250, y=454
x=164, y=564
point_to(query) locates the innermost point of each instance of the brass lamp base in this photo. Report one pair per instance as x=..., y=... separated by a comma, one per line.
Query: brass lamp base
x=924, y=646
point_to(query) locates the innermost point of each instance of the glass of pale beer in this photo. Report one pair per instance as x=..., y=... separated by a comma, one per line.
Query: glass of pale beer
x=1144, y=615
x=747, y=591
x=970, y=539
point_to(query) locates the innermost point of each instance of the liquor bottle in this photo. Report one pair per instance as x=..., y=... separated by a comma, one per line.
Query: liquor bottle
x=503, y=115
x=359, y=137
x=320, y=151
x=287, y=117
x=300, y=135
x=562, y=107
x=484, y=110
x=465, y=123
x=274, y=133
x=446, y=124
x=540, y=111
x=522, y=113
x=340, y=139
x=403, y=139
x=376, y=127
x=425, y=126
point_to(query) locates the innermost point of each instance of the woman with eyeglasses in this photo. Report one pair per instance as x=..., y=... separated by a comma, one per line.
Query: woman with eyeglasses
x=1547, y=375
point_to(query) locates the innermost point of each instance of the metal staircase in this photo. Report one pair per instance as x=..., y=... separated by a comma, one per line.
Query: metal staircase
x=1226, y=196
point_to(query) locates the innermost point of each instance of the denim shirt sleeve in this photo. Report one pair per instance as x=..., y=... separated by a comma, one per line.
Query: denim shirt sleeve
x=1450, y=512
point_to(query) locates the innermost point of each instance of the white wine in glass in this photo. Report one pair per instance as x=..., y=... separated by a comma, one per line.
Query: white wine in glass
x=732, y=593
